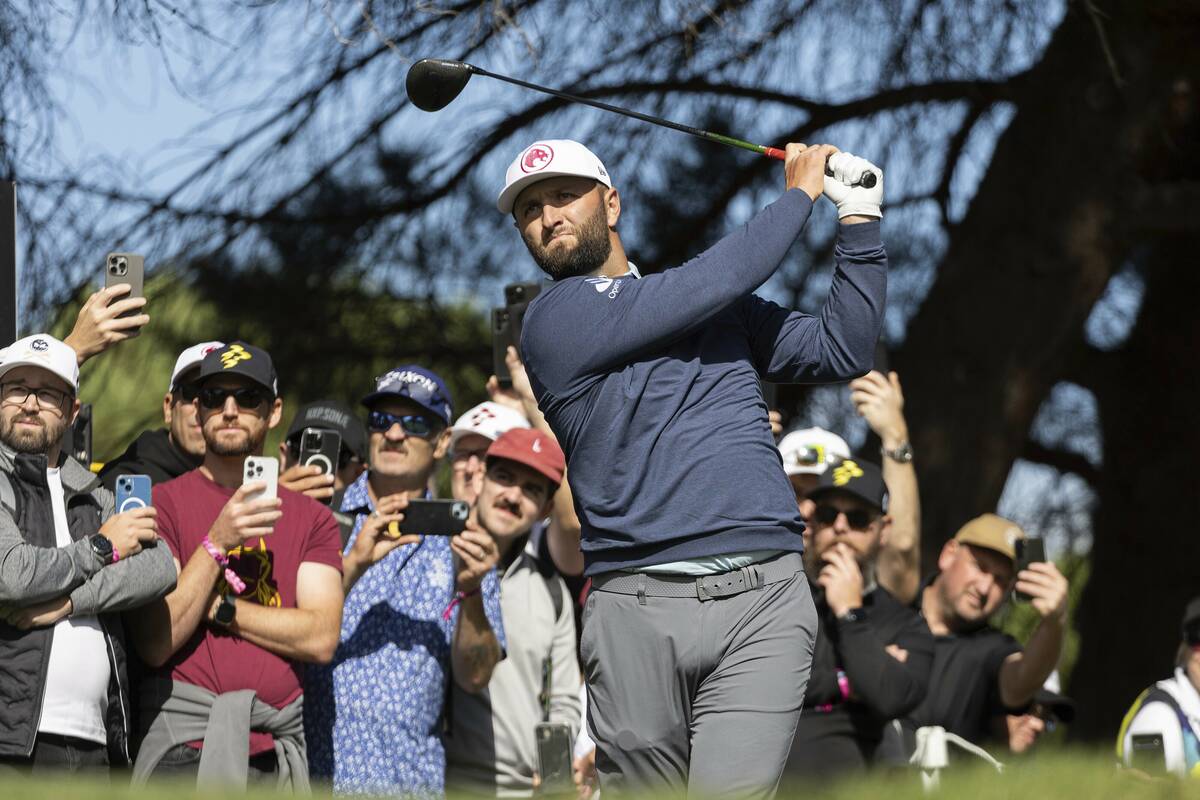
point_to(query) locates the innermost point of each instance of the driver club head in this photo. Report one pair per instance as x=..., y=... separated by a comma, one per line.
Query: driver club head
x=433, y=83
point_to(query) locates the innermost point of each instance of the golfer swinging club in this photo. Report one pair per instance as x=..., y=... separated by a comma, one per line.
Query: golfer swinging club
x=698, y=633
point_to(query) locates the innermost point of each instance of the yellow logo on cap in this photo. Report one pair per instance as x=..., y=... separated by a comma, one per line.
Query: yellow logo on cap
x=233, y=355
x=845, y=472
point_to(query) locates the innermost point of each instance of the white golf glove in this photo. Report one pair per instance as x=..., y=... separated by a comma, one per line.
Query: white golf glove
x=851, y=200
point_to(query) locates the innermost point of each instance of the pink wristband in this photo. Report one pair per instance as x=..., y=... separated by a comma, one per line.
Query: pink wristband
x=235, y=583
x=458, y=598
x=116, y=555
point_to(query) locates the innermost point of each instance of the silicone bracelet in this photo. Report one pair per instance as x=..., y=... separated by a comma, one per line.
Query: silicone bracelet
x=458, y=598
x=231, y=577
x=116, y=555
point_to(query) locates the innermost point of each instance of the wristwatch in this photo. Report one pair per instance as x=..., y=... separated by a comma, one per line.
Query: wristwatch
x=853, y=615
x=102, y=547
x=226, y=610
x=902, y=454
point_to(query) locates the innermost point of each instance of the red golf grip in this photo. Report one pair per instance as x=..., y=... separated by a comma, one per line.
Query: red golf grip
x=866, y=180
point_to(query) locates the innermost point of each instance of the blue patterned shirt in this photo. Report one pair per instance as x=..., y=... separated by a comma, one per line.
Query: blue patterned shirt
x=373, y=716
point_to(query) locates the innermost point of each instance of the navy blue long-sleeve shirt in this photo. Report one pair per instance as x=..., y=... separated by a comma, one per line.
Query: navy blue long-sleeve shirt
x=651, y=386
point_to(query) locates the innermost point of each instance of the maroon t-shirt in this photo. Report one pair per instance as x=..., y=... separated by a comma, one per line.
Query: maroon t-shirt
x=214, y=659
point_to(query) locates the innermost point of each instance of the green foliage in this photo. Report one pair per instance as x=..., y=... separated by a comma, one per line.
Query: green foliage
x=331, y=345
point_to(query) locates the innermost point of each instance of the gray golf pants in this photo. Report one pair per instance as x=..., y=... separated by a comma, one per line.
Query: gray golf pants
x=697, y=696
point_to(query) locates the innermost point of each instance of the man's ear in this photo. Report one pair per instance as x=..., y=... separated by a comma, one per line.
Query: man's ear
x=947, y=556
x=74, y=411
x=442, y=446
x=276, y=413
x=167, y=408
x=283, y=455
x=612, y=206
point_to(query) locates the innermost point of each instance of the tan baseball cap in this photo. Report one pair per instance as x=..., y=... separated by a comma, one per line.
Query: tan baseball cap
x=994, y=533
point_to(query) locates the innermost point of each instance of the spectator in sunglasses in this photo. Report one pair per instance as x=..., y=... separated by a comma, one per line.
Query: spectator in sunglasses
x=1161, y=732
x=259, y=596
x=873, y=654
x=426, y=612
x=168, y=452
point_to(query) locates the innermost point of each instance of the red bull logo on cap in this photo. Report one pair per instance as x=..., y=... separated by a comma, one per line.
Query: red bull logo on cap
x=537, y=157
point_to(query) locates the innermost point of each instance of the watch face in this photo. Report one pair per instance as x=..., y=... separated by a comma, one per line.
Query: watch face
x=225, y=612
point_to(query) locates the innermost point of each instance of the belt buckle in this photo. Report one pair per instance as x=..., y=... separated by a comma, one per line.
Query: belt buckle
x=726, y=584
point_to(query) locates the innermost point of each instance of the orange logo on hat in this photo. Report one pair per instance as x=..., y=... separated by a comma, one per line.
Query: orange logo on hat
x=537, y=157
x=845, y=472
x=233, y=355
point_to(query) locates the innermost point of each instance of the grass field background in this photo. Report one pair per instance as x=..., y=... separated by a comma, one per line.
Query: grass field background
x=1090, y=777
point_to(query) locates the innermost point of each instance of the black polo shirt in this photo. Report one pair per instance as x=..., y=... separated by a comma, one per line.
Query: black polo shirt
x=964, y=693
x=837, y=735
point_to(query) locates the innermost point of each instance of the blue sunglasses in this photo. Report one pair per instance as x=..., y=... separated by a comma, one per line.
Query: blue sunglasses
x=412, y=424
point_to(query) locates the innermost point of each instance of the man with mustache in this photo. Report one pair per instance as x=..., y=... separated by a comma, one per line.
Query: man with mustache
x=979, y=672
x=259, y=596
x=68, y=566
x=491, y=748
x=690, y=530
x=426, y=612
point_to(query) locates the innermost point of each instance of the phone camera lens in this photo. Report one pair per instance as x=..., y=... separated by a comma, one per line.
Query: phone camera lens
x=118, y=266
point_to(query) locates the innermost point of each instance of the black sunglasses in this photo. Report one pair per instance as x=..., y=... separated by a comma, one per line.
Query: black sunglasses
x=412, y=424
x=246, y=397
x=188, y=392
x=856, y=518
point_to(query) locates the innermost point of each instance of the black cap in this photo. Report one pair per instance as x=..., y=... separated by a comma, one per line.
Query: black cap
x=331, y=415
x=1063, y=708
x=239, y=358
x=1191, y=617
x=861, y=479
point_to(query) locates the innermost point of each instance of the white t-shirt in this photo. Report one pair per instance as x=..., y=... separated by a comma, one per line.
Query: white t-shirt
x=75, y=698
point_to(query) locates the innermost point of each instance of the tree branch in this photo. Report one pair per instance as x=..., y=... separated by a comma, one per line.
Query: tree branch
x=1062, y=460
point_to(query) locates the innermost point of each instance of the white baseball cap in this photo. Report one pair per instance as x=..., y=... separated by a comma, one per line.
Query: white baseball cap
x=191, y=358
x=42, y=350
x=488, y=419
x=549, y=158
x=810, y=451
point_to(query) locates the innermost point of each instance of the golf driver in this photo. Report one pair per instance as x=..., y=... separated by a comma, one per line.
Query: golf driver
x=433, y=83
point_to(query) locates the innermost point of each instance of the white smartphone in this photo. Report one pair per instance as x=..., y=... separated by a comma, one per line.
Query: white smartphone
x=262, y=468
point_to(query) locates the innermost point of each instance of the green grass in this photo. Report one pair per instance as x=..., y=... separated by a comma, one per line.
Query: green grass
x=1090, y=777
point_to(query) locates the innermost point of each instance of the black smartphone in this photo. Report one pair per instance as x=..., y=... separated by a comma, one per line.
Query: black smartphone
x=554, y=758
x=77, y=440
x=433, y=518
x=125, y=268
x=320, y=448
x=516, y=294
x=1030, y=550
x=501, y=339
x=1146, y=753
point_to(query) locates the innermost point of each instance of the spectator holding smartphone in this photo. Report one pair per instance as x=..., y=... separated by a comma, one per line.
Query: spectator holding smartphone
x=313, y=480
x=470, y=437
x=979, y=672
x=68, y=567
x=428, y=611
x=259, y=596
x=1168, y=713
x=490, y=747
x=169, y=452
x=100, y=323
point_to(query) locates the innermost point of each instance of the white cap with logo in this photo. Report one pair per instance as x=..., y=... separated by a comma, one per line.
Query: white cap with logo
x=42, y=350
x=488, y=419
x=191, y=358
x=549, y=158
x=810, y=451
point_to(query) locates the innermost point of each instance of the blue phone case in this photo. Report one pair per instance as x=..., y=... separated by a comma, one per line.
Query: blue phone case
x=133, y=491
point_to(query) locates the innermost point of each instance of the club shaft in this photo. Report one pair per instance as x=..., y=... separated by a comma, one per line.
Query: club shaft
x=867, y=179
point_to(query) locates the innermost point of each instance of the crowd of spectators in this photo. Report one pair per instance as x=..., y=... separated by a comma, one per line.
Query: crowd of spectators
x=235, y=631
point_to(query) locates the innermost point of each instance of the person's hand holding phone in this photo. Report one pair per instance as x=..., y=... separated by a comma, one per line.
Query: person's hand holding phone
x=880, y=401
x=475, y=555
x=131, y=531
x=374, y=541
x=310, y=480
x=841, y=579
x=242, y=520
x=1046, y=589
x=100, y=325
